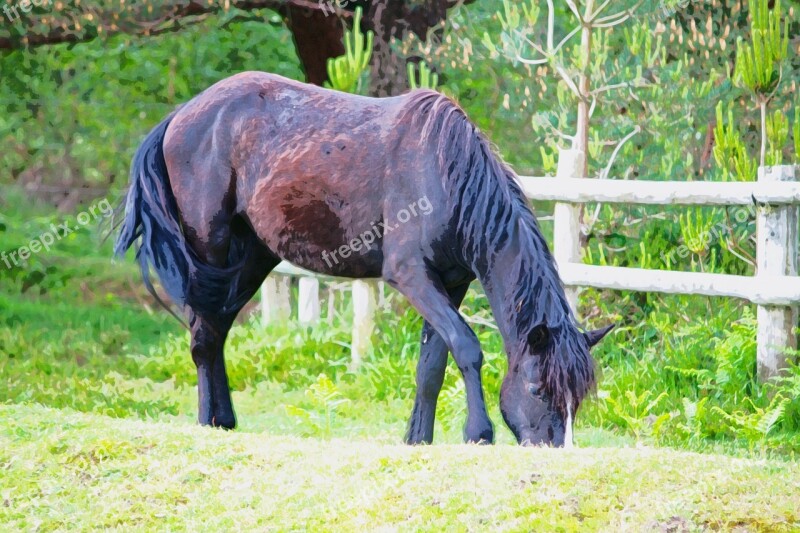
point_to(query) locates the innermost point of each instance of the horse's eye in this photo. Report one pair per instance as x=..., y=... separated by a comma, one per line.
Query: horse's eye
x=534, y=388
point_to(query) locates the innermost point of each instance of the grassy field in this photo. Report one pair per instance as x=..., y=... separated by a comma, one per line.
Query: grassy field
x=71, y=471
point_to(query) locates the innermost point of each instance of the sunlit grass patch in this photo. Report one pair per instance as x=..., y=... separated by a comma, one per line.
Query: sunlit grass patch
x=66, y=470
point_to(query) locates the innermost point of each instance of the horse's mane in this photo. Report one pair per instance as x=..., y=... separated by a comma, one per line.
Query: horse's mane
x=487, y=201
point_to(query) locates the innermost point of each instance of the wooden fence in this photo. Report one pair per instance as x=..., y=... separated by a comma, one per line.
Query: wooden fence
x=775, y=288
x=276, y=303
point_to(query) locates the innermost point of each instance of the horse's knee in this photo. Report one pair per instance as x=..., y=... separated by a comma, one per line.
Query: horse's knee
x=467, y=353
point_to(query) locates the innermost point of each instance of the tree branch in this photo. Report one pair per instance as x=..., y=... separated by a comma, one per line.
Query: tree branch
x=604, y=173
x=87, y=21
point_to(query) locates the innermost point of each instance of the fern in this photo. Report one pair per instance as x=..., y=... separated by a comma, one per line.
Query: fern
x=636, y=411
x=757, y=424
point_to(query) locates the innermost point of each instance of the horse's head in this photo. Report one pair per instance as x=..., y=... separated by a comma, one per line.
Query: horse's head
x=545, y=383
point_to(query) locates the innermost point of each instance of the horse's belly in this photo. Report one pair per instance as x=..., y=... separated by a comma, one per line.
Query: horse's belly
x=319, y=230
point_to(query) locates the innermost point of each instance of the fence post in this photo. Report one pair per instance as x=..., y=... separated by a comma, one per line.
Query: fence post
x=308, y=301
x=275, y=299
x=364, y=303
x=566, y=221
x=776, y=255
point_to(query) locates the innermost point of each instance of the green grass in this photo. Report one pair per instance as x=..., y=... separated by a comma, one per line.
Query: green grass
x=72, y=471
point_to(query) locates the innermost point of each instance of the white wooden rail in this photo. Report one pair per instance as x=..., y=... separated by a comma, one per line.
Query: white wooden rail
x=579, y=190
x=775, y=288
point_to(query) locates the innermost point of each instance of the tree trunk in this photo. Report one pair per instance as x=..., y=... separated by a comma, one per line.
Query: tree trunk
x=584, y=84
x=317, y=37
x=393, y=20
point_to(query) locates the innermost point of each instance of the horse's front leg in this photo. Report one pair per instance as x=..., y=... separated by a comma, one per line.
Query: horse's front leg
x=430, y=376
x=426, y=293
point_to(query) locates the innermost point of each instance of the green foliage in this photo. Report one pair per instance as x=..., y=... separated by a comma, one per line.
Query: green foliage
x=586, y=76
x=645, y=44
x=755, y=423
x=634, y=412
x=421, y=77
x=514, y=17
x=325, y=399
x=730, y=151
x=345, y=72
x=688, y=378
x=689, y=421
x=696, y=228
x=727, y=371
x=777, y=134
x=73, y=115
x=759, y=62
x=797, y=135
x=787, y=385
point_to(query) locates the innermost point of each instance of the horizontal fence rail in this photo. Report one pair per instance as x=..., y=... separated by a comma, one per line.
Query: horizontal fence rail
x=582, y=190
x=762, y=290
x=288, y=269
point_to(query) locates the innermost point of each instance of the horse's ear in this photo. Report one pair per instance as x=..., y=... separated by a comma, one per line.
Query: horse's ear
x=595, y=336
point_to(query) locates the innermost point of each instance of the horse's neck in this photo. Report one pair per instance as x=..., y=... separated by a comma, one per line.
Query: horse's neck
x=500, y=277
x=503, y=277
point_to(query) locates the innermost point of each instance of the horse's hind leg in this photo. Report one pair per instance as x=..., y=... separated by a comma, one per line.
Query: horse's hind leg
x=213, y=242
x=209, y=332
x=430, y=376
x=213, y=395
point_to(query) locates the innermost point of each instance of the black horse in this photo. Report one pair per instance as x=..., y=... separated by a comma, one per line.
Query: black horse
x=259, y=169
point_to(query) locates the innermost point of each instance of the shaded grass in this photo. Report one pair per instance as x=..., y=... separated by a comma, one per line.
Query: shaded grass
x=70, y=471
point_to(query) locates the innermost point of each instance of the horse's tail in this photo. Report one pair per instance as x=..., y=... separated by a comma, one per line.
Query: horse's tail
x=151, y=218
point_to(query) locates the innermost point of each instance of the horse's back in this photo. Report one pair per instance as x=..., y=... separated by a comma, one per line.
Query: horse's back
x=306, y=167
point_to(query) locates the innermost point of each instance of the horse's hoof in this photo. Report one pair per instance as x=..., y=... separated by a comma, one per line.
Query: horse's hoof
x=485, y=436
x=224, y=422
